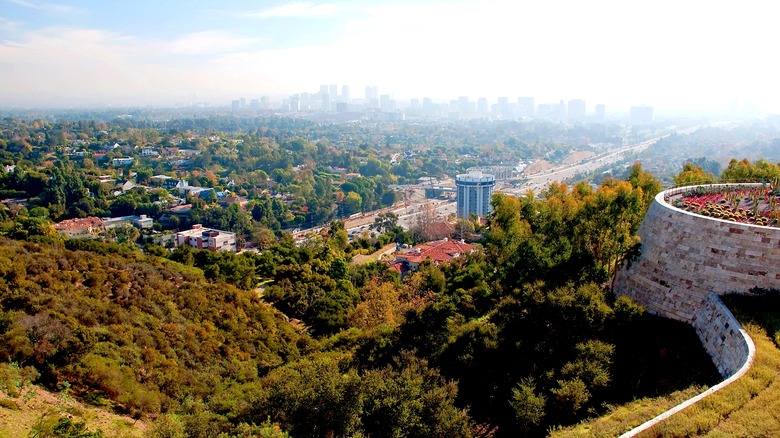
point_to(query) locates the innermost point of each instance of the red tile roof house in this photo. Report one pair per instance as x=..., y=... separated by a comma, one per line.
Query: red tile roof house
x=440, y=251
x=80, y=227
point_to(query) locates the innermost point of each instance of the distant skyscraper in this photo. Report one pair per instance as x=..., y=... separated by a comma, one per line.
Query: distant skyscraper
x=345, y=93
x=559, y=111
x=295, y=103
x=576, y=110
x=254, y=104
x=427, y=105
x=600, y=112
x=372, y=92
x=482, y=106
x=235, y=105
x=386, y=103
x=333, y=90
x=324, y=89
x=463, y=105
x=503, y=107
x=325, y=100
x=525, y=106
x=474, y=191
x=641, y=114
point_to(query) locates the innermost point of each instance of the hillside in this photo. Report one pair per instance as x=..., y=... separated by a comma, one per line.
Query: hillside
x=137, y=333
x=35, y=409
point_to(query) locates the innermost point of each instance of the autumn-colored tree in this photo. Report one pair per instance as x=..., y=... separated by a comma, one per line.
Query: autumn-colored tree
x=692, y=174
x=380, y=304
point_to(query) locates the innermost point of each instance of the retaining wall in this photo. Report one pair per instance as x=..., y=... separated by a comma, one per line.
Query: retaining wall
x=731, y=349
x=721, y=335
x=686, y=261
x=685, y=256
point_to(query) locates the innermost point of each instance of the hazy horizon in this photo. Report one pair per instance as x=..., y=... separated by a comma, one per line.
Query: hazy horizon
x=690, y=56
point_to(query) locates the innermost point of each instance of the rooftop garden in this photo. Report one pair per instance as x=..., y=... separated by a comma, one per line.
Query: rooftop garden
x=754, y=204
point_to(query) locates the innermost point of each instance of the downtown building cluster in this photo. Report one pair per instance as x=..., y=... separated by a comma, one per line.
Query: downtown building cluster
x=338, y=103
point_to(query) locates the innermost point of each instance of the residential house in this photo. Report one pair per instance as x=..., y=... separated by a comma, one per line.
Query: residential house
x=149, y=152
x=162, y=180
x=440, y=251
x=142, y=221
x=206, y=238
x=123, y=186
x=122, y=161
x=228, y=200
x=80, y=227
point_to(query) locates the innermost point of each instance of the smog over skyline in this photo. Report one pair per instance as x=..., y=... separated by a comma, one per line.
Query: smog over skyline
x=692, y=55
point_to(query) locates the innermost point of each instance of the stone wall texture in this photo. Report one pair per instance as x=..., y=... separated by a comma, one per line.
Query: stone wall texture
x=731, y=349
x=688, y=260
x=685, y=256
x=721, y=335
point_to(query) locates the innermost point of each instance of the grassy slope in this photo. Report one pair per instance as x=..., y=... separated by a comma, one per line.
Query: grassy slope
x=35, y=404
x=748, y=407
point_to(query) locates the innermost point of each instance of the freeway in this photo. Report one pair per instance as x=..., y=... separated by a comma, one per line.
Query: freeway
x=539, y=181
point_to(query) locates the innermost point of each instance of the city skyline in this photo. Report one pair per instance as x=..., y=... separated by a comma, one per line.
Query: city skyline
x=691, y=56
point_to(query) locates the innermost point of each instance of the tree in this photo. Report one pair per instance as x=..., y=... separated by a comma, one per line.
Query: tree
x=317, y=396
x=608, y=224
x=338, y=235
x=385, y=222
x=527, y=404
x=352, y=203
x=424, y=222
x=645, y=181
x=692, y=174
x=380, y=304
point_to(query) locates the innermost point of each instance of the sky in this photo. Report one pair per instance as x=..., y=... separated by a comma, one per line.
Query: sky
x=691, y=54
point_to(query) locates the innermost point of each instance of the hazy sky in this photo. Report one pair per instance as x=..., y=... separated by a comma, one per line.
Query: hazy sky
x=681, y=53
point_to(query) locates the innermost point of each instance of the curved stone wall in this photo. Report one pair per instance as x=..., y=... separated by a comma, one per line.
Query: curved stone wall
x=729, y=345
x=685, y=256
x=686, y=261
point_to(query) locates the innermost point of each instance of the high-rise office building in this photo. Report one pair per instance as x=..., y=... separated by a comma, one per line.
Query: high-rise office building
x=575, y=110
x=474, y=191
x=325, y=100
x=482, y=106
x=463, y=105
x=386, y=103
x=295, y=103
x=600, y=112
x=333, y=90
x=503, y=107
x=345, y=93
x=372, y=92
x=427, y=105
x=525, y=106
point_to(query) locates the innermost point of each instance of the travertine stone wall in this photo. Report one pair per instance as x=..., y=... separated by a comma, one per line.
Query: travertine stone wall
x=685, y=256
x=686, y=261
x=721, y=335
x=731, y=349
